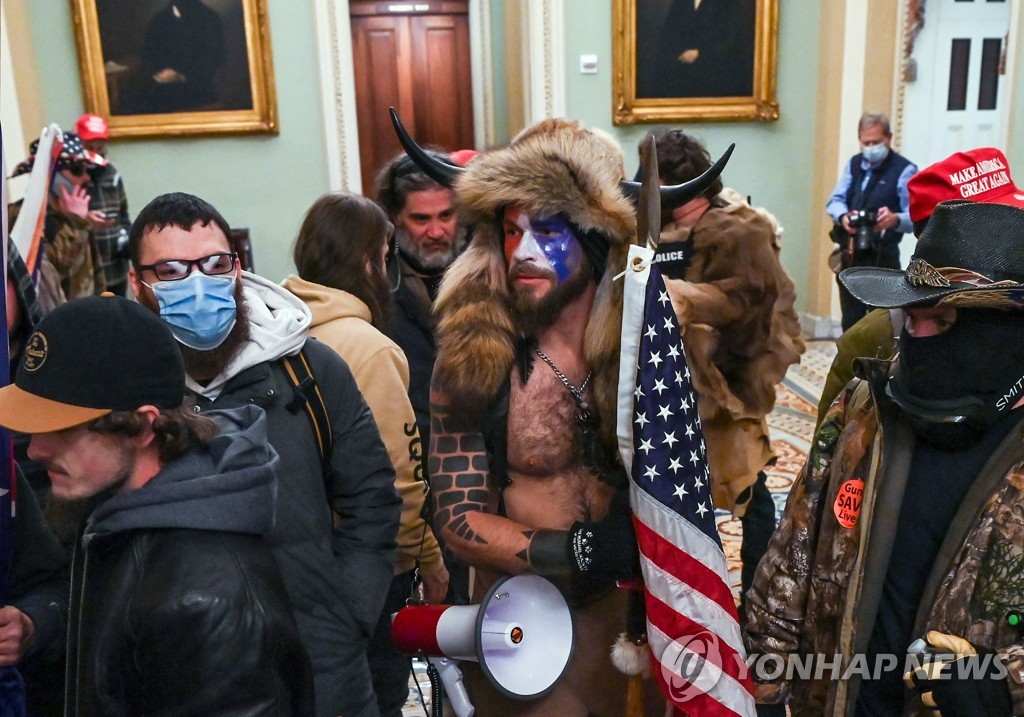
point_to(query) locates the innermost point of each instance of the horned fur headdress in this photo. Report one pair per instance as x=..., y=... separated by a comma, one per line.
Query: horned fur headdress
x=553, y=167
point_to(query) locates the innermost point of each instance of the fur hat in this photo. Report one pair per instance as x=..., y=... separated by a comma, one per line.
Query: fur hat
x=555, y=166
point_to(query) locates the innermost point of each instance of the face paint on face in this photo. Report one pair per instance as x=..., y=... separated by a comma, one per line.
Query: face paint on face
x=549, y=244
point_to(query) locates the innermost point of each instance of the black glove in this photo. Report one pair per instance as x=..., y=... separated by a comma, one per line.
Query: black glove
x=971, y=685
x=605, y=550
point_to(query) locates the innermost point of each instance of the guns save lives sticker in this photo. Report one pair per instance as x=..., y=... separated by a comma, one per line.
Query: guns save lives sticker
x=847, y=505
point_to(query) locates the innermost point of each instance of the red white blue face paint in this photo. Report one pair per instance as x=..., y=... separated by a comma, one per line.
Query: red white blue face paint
x=548, y=244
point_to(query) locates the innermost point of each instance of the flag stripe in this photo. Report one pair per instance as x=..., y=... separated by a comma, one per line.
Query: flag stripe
x=731, y=660
x=729, y=696
x=676, y=573
x=665, y=522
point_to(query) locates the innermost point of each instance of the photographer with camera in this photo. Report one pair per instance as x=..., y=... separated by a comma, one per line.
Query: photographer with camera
x=870, y=206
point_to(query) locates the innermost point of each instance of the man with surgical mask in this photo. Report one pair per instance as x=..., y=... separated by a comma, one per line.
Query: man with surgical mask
x=234, y=329
x=874, y=180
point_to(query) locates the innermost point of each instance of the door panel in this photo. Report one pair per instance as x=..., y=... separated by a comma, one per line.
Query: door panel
x=419, y=63
x=956, y=101
x=444, y=109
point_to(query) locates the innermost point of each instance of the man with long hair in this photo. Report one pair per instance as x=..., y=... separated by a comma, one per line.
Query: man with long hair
x=340, y=256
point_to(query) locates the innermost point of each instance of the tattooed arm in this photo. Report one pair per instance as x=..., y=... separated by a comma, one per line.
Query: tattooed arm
x=466, y=502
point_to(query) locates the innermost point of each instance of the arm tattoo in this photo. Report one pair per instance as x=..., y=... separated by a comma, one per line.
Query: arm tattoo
x=458, y=472
x=548, y=552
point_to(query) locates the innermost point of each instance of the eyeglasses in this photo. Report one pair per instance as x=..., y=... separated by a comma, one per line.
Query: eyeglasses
x=177, y=269
x=76, y=168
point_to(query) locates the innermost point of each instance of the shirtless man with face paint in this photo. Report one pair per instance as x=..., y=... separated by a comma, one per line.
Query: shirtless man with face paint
x=522, y=454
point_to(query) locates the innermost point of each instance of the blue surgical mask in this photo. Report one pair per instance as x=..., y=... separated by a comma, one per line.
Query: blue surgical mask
x=875, y=153
x=199, y=309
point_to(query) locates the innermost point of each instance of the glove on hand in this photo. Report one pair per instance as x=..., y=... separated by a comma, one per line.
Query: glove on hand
x=606, y=550
x=973, y=683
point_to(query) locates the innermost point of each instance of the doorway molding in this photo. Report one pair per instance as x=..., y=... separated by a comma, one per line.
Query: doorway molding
x=338, y=88
x=908, y=29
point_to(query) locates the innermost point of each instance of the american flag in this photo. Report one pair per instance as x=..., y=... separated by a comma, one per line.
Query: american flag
x=692, y=625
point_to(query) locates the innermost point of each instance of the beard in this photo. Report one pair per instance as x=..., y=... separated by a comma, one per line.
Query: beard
x=420, y=259
x=66, y=517
x=532, y=314
x=205, y=365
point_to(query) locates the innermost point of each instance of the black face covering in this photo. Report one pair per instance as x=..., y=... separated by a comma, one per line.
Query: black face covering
x=954, y=385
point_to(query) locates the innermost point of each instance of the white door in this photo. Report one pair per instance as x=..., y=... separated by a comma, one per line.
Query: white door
x=957, y=100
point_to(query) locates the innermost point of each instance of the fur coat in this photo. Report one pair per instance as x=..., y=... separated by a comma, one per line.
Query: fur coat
x=552, y=167
x=740, y=332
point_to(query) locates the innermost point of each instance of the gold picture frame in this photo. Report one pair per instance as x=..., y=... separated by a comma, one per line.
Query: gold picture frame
x=160, y=68
x=733, y=80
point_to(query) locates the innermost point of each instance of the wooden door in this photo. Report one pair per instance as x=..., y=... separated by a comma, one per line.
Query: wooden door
x=414, y=57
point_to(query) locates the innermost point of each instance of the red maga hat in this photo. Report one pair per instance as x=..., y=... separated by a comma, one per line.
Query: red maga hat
x=90, y=127
x=977, y=175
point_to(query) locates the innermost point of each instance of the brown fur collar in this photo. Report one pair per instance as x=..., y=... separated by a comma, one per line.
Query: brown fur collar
x=552, y=167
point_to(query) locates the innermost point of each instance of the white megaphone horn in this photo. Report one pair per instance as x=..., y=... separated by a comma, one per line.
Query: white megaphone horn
x=521, y=634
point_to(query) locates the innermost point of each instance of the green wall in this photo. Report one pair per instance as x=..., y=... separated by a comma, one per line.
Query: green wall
x=771, y=162
x=264, y=182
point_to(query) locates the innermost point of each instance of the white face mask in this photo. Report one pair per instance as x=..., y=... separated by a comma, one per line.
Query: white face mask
x=875, y=153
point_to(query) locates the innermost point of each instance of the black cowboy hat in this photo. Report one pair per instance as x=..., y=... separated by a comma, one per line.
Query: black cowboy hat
x=970, y=255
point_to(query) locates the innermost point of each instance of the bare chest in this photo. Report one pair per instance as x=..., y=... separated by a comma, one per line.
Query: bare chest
x=551, y=485
x=541, y=424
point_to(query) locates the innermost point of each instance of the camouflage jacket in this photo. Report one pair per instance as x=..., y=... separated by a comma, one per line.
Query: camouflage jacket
x=818, y=587
x=71, y=266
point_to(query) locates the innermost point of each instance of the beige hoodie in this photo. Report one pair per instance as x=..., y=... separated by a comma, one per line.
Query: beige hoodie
x=381, y=370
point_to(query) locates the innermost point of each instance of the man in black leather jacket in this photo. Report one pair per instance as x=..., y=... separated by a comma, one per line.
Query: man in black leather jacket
x=177, y=606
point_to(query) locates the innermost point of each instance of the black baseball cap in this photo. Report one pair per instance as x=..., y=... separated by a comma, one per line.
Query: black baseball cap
x=89, y=357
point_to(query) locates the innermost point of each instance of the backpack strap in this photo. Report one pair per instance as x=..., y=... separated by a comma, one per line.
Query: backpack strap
x=306, y=394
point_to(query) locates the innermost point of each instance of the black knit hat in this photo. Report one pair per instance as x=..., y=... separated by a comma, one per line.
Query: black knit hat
x=970, y=255
x=89, y=357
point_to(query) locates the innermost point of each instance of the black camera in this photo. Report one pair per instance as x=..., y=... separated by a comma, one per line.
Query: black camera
x=863, y=220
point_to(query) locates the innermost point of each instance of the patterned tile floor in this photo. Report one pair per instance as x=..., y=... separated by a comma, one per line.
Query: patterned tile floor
x=791, y=425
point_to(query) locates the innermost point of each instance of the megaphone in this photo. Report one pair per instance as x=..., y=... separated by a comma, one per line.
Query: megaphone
x=521, y=634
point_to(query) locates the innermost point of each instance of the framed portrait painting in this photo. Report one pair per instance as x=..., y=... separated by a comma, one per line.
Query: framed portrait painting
x=157, y=68
x=694, y=60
